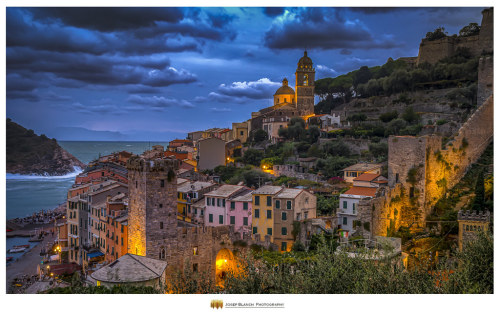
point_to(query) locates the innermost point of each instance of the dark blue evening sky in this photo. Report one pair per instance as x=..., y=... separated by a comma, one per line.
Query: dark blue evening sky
x=158, y=73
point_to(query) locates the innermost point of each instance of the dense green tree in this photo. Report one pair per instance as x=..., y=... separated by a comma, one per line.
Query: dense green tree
x=341, y=86
x=410, y=116
x=478, y=203
x=336, y=147
x=314, y=151
x=334, y=165
x=313, y=133
x=253, y=156
x=438, y=33
x=379, y=149
x=357, y=117
x=473, y=272
x=362, y=76
x=469, y=30
x=327, y=205
x=388, y=116
x=260, y=135
x=394, y=127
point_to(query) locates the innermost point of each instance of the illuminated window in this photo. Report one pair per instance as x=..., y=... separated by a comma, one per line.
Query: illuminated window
x=195, y=251
x=306, y=80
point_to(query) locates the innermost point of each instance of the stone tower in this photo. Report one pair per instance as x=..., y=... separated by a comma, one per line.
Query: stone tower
x=469, y=224
x=304, y=85
x=152, y=204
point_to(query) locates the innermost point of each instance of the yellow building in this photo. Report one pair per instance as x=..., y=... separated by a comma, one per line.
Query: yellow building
x=187, y=194
x=240, y=132
x=262, y=207
x=469, y=224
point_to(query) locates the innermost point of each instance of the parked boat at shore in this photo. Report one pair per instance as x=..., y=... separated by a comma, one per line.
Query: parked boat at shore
x=17, y=250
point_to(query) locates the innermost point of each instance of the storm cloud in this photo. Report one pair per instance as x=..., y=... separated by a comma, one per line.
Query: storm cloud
x=321, y=28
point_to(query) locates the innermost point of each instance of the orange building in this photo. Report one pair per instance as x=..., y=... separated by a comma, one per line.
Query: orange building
x=61, y=231
x=116, y=227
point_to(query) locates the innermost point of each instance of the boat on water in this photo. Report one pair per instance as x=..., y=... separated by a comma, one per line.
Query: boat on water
x=22, y=246
x=9, y=258
x=17, y=250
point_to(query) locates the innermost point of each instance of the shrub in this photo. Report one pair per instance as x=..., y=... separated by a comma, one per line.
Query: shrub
x=388, y=116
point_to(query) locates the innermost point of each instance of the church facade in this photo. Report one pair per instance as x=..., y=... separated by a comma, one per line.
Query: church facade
x=287, y=102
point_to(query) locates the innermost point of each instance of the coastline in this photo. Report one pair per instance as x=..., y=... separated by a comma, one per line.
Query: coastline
x=26, y=265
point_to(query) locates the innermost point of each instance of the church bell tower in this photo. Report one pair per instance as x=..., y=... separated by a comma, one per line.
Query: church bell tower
x=304, y=86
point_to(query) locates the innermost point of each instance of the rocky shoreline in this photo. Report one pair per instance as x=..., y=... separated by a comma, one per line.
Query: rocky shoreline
x=30, y=154
x=61, y=163
x=24, y=226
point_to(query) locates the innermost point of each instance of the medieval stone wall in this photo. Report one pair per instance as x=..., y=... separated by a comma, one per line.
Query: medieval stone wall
x=435, y=169
x=433, y=51
x=485, y=79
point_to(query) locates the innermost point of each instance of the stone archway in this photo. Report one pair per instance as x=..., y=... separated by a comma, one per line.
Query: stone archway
x=225, y=263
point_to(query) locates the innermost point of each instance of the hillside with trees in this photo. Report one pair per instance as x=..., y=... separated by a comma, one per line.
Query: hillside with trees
x=28, y=153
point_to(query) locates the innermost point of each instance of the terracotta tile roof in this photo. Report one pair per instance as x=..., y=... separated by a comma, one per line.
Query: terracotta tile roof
x=366, y=177
x=362, y=191
x=178, y=155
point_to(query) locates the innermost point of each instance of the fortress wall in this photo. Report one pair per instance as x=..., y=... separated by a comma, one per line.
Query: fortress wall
x=433, y=51
x=485, y=79
x=437, y=170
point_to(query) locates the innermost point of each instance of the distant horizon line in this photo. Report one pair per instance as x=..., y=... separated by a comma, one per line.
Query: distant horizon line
x=112, y=140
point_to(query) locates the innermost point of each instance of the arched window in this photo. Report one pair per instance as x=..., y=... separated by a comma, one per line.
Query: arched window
x=467, y=228
x=162, y=254
x=306, y=79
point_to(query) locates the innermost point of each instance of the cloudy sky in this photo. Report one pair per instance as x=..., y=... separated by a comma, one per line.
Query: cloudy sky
x=158, y=73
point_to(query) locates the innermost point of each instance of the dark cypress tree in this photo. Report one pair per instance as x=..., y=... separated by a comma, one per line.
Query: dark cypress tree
x=478, y=204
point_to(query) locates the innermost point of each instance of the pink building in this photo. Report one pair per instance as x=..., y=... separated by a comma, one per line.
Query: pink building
x=217, y=204
x=239, y=212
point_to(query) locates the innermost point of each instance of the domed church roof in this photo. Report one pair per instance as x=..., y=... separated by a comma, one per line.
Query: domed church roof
x=285, y=89
x=305, y=60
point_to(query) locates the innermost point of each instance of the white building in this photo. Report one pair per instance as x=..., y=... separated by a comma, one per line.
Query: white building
x=365, y=187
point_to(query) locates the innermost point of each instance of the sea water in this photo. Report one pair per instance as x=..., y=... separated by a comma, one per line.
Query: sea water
x=18, y=241
x=27, y=194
